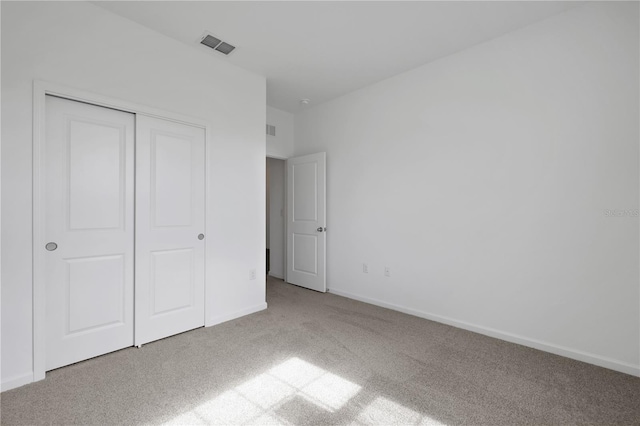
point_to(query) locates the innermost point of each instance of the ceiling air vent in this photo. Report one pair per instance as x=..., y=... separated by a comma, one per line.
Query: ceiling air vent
x=217, y=44
x=271, y=130
x=225, y=48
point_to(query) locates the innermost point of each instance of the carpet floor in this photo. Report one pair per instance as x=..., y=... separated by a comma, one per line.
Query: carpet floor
x=321, y=359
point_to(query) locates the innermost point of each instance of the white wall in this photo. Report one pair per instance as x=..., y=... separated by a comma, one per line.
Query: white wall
x=482, y=181
x=275, y=221
x=86, y=47
x=280, y=145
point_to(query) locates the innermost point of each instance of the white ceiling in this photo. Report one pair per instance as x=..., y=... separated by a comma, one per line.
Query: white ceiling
x=322, y=50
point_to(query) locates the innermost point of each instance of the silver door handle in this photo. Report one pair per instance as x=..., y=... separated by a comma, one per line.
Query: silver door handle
x=321, y=229
x=51, y=246
x=201, y=236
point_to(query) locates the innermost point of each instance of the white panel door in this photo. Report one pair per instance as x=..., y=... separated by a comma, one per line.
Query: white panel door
x=88, y=230
x=306, y=221
x=170, y=218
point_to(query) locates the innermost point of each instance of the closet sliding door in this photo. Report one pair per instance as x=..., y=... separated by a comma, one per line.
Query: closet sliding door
x=87, y=242
x=170, y=223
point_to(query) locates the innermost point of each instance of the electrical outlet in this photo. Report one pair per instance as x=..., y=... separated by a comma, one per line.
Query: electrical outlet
x=387, y=271
x=365, y=268
x=252, y=274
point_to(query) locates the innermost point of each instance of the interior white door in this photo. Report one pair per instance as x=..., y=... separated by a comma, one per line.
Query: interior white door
x=306, y=221
x=170, y=223
x=88, y=212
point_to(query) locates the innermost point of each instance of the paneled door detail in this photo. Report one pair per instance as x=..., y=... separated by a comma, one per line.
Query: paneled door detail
x=88, y=210
x=170, y=218
x=306, y=221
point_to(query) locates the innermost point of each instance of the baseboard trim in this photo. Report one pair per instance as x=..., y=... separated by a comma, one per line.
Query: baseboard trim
x=280, y=277
x=16, y=381
x=600, y=361
x=237, y=314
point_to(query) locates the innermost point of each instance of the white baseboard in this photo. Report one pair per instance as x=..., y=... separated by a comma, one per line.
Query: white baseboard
x=237, y=314
x=17, y=381
x=280, y=277
x=598, y=360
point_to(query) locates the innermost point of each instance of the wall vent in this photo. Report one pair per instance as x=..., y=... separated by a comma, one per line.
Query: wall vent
x=216, y=44
x=271, y=130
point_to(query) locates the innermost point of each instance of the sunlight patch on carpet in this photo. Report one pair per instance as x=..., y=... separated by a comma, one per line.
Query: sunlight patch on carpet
x=255, y=400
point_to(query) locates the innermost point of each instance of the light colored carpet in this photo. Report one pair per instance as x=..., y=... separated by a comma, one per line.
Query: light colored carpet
x=315, y=358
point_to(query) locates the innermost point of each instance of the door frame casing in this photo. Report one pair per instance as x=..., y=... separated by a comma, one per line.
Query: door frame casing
x=40, y=90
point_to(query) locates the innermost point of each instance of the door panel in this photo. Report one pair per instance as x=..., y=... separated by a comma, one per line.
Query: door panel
x=92, y=305
x=171, y=180
x=306, y=221
x=172, y=280
x=96, y=192
x=305, y=192
x=305, y=253
x=88, y=214
x=170, y=204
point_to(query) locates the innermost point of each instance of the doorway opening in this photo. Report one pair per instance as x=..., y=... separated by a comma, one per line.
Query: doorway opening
x=275, y=229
